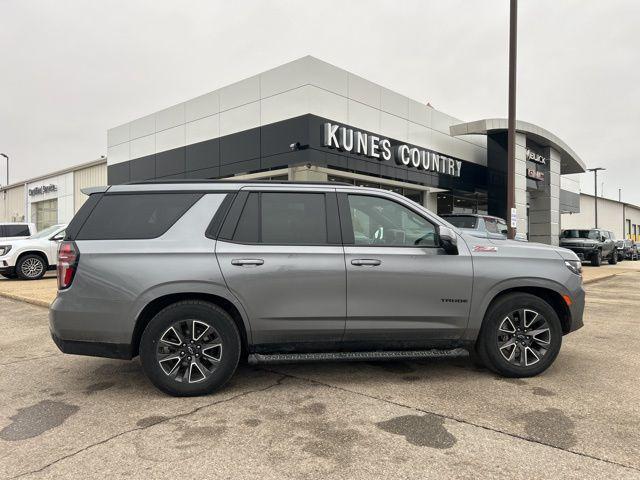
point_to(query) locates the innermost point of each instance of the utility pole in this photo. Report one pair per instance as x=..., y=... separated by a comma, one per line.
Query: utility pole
x=511, y=132
x=595, y=190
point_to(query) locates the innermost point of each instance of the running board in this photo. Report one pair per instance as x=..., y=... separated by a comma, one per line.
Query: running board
x=257, y=358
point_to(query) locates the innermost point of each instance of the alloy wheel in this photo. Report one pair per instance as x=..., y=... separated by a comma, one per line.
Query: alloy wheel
x=32, y=267
x=189, y=351
x=524, y=337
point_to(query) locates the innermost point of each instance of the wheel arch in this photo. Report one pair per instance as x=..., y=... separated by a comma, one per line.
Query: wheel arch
x=552, y=297
x=40, y=253
x=158, y=303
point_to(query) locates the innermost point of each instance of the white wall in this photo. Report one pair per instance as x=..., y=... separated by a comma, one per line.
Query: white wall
x=611, y=216
x=306, y=85
x=64, y=194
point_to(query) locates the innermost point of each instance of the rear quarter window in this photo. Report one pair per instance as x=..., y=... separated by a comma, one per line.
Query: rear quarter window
x=131, y=216
x=16, y=231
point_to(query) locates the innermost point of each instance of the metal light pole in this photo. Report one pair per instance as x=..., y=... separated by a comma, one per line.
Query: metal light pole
x=595, y=190
x=511, y=132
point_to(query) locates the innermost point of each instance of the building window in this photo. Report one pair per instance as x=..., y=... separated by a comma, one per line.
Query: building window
x=415, y=195
x=629, y=228
x=462, y=202
x=44, y=213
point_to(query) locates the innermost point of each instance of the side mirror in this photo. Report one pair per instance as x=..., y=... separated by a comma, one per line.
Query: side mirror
x=448, y=240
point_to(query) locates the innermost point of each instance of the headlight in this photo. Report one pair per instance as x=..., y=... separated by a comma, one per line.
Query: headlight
x=4, y=249
x=574, y=265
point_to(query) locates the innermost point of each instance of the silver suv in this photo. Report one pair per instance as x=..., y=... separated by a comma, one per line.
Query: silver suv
x=194, y=276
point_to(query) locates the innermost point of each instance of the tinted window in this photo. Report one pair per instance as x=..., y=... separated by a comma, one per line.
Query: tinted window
x=247, y=230
x=502, y=227
x=293, y=218
x=135, y=215
x=590, y=234
x=16, y=231
x=461, y=221
x=378, y=221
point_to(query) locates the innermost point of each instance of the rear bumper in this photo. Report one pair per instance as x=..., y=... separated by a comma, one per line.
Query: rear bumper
x=93, y=349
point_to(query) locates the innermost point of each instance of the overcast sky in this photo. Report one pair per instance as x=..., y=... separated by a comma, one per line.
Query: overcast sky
x=72, y=69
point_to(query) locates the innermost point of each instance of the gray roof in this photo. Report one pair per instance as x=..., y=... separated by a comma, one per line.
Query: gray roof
x=570, y=163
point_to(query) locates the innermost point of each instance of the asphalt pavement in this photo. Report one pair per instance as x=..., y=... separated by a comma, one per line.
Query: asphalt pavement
x=78, y=417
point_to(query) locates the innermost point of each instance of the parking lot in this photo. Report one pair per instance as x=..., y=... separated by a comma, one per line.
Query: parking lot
x=69, y=417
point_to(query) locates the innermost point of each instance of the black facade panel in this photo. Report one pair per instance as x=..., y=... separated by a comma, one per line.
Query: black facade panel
x=171, y=162
x=497, y=174
x=203, y=155
x=119, y=173
x=143, y=168
x=247, y=166
x=277, y=137
x=240, y=147
x=205, y=173
x=284, y=160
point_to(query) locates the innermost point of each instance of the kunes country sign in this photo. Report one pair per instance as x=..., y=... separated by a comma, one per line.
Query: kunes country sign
x=372, y=146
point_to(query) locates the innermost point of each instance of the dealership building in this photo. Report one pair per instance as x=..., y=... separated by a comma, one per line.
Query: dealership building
x=309, y=120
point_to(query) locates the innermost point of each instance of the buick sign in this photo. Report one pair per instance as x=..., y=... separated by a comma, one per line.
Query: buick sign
x=372, y=146
x=535, y=157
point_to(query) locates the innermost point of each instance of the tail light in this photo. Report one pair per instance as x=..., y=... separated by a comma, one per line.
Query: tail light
x=68, y=256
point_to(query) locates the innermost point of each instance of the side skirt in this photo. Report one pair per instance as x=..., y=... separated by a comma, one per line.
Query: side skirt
x=258, y=358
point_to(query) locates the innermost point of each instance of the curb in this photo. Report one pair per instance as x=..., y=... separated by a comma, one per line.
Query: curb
x=599, y=279
x=32, y=301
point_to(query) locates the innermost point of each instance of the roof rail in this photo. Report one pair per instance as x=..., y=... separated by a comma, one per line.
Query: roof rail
x=192, y=181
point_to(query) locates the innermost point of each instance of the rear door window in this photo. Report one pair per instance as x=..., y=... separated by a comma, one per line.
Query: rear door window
x=135, y=215
x=285, y=218
x=16, y=231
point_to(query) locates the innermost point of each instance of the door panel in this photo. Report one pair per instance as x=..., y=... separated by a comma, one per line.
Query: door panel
x=293, y=295
x=414, y=295
x=402, y=289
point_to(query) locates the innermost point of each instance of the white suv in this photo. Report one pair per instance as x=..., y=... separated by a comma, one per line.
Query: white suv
x=30, y=258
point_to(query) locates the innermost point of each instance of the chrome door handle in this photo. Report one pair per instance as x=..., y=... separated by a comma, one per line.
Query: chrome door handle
x=240, y=262
x=368, y=262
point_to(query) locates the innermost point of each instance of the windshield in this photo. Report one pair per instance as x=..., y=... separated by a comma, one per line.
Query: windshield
x=462, y=221
x=590, y=234
x=47, y=231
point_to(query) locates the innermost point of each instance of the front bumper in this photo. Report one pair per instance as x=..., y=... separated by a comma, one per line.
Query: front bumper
x=576, y=309
x=583, y=253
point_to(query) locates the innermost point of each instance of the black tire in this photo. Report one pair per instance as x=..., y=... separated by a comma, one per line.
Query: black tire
x=31, y=267
x=488, y=340
x=10, y=276
x=613, y=260
x=596, y=260
x=178, y=314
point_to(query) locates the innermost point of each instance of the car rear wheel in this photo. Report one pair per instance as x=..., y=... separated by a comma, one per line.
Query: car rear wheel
x=521, y=335
x=190, y=348
x=31, y=267
x=613, y=260
x=596, y=260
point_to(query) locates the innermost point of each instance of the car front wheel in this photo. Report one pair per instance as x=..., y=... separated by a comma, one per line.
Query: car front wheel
x=521, y=335
x=596, y=260
x=31, y=267
x=190, y=348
